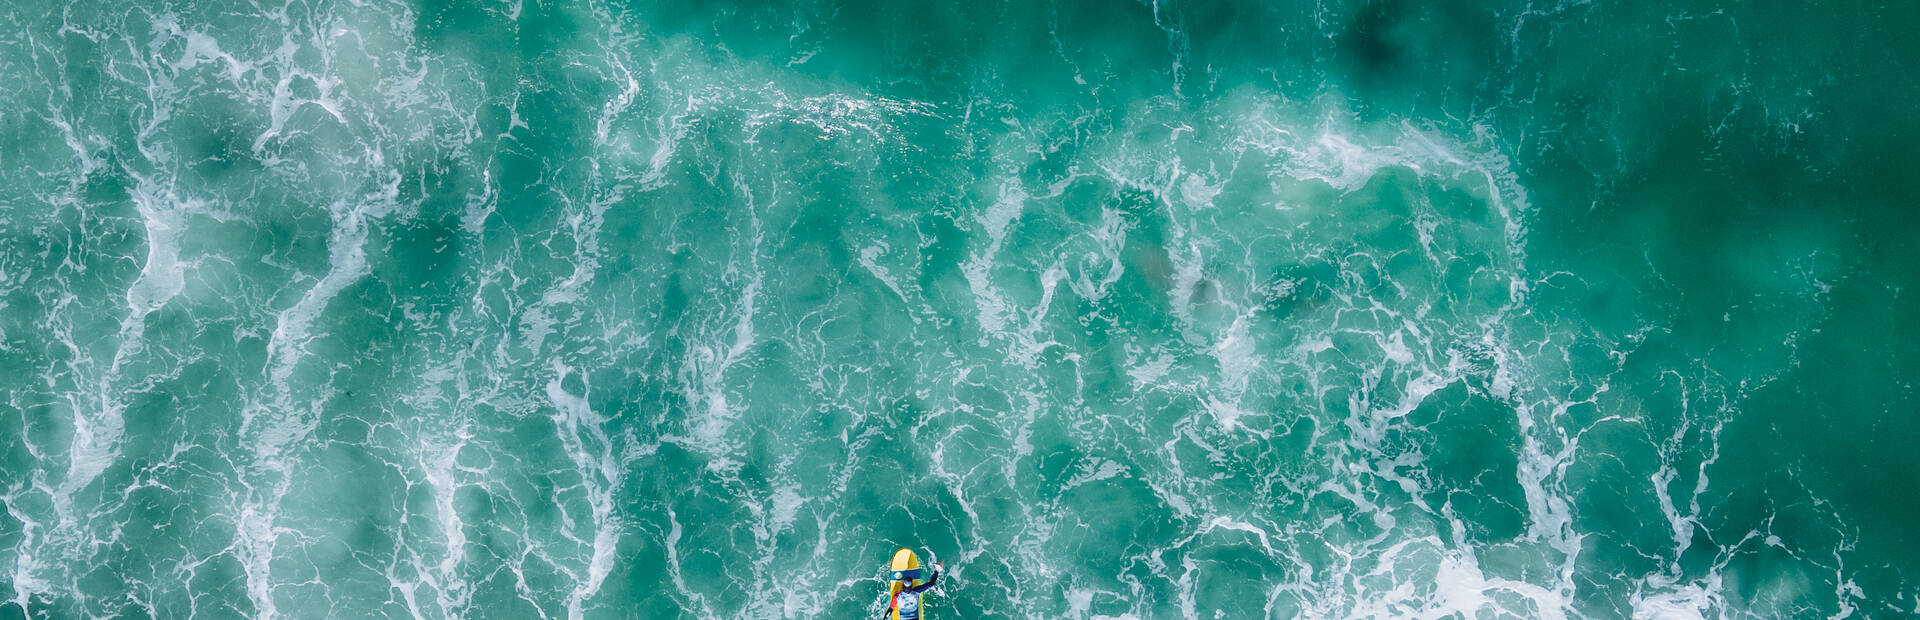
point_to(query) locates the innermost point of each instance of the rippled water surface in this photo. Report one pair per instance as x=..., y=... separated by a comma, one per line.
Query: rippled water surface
x=1164, y=309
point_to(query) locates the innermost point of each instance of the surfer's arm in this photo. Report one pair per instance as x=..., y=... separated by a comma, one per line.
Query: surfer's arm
x=922, y=587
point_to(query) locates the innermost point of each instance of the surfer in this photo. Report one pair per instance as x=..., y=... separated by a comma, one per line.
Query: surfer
x=907, y=600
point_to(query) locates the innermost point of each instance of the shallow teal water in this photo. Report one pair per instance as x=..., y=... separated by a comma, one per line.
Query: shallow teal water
x=1150, y=310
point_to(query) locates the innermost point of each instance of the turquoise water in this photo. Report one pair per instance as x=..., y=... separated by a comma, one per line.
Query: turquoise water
x=1120, y=310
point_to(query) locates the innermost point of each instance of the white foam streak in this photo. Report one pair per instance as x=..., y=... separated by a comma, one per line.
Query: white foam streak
x=583, y=433
x=283, y=420
x=254, y=548
x=290, y=422
x=674, y=532
x=992, y=306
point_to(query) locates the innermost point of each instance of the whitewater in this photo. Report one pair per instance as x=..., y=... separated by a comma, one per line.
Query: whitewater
x=1119, y=309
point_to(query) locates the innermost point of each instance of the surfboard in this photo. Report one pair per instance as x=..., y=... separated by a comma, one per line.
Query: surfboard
x=904, y=560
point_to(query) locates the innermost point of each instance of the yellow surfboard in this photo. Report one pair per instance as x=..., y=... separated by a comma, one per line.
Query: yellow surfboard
x=904, y=560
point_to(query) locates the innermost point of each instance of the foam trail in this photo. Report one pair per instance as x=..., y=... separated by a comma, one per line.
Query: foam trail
x=442, y=470
x=703, y=371
x=993, y=309
x=583, y=433
x=346, y=247
x=275, y=426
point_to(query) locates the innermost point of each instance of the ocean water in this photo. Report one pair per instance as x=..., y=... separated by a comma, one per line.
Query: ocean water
x=1163, y=309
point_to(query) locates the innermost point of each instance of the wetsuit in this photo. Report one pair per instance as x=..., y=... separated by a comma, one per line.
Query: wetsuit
x=907, y=601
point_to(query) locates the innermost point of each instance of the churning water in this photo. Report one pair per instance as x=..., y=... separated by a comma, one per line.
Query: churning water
x=1165, y=309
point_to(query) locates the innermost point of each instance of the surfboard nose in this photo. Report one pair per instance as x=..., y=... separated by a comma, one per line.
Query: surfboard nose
x=905, y=559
